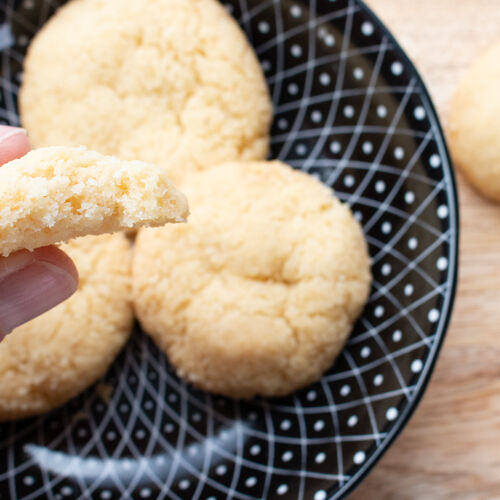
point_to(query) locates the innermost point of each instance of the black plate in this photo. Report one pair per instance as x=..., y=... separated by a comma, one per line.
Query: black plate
x=351, y=110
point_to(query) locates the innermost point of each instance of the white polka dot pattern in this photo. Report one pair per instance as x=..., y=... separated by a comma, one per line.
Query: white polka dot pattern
x=350, y=110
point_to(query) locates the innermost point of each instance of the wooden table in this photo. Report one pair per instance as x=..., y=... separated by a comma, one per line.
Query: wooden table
x=451, y=447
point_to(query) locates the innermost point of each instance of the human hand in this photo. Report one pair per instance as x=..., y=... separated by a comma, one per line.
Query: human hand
x=31, y=283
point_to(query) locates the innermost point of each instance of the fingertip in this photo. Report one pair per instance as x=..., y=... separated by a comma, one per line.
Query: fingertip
x=47, y=279
x=55, y=256
x=14, y=143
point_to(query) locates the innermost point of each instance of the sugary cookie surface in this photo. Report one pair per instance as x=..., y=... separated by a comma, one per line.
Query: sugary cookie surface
x=54, y=357
x=172, y=82
x=259, y=291
x=56, y=194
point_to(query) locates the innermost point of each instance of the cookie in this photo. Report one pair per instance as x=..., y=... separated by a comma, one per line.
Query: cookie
x=55, y=194
x=257, y=294
x=474, y=124
x=165, y=81
x=54, y=357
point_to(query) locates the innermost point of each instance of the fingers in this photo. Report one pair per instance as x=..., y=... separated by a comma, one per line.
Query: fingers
x=31, y=283
x=14, y=143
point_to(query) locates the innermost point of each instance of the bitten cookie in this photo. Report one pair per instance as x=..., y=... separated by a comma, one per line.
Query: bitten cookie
x=173, y=82
x=54, y=357
x=55, y=194
x=474, y=124
x=259, y=291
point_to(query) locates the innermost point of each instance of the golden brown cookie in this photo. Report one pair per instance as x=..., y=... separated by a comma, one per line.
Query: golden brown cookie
x=258, y=293
x=474, y=124
x=172, y=82
x=54, y=357
x=55, y=194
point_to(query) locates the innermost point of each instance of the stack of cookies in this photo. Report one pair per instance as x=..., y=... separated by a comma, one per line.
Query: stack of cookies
x=257, y=293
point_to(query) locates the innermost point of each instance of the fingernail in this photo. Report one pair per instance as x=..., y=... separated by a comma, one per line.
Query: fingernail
x=14, y=143
x=15, y=262
x=6, y=132
x=31, y=291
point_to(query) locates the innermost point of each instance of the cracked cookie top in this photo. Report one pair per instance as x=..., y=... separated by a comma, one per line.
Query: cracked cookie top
x=172, y=82
x=259, y=291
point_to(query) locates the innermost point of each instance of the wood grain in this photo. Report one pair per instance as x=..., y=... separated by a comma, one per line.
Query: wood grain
x=451, y=447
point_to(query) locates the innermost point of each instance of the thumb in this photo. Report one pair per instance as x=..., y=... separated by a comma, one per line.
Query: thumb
x=14, y=143
x=32, y=283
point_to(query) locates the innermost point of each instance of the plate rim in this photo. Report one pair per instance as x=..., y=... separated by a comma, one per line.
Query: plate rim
x=452, y=278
